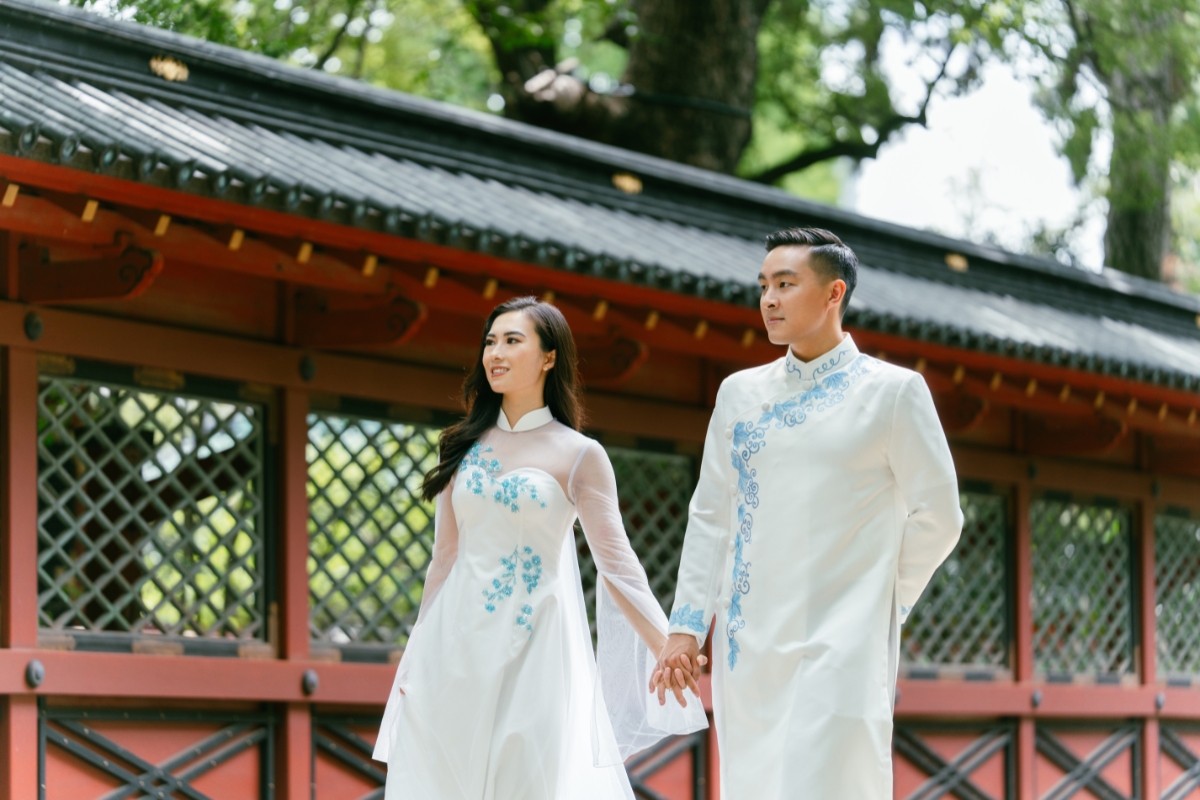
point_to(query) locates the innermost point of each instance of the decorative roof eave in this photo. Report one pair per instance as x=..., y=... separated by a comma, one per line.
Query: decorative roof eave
x=195, y=196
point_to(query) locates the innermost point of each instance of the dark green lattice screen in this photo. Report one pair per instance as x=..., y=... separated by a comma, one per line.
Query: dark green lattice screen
x=1177, y=594
x=370, y=536
x=961, y=620
x=150, y=512
x=1082, y=589
x=654, y=491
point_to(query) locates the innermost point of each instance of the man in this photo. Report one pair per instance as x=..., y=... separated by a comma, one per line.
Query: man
x=827, y=499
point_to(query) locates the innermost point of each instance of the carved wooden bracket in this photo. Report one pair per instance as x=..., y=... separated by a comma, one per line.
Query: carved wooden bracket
x=118, y=276
x=319, y=325
x=610, y=361
x=960, y=412
x=1066, y=436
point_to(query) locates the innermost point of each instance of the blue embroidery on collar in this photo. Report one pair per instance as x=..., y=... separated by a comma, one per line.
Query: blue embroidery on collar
x=830, y=364
x=790, y=365
x=748, y=439
x=687, y=618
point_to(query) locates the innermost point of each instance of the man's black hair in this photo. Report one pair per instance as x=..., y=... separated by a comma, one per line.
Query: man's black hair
x=828, y=255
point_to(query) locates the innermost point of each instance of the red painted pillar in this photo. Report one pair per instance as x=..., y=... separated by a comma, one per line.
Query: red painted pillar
x=18, y=565
x=1148, y=641
x=295, y=746
x=1023, y=637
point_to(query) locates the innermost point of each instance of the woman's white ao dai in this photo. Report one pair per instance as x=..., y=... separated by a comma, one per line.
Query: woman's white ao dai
x=503, y=698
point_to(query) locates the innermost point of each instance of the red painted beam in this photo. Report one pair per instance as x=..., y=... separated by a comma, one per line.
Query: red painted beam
x=294, y=767
x=143, y=344
x=293, y=529
x=18, y=566
x=18, y=536
x=279, y=224
x=982, y=464
x=194, y=677
x=225, y=215
x=970, y=699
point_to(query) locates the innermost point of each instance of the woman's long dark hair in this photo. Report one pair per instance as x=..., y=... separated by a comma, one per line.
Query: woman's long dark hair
x=483, y=405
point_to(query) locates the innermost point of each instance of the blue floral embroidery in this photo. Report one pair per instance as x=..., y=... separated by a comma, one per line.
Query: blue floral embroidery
x=502, y=587
x=748, y=439
x=510, y=491
x=687, y=618
x=531, y=570
x=480, y=468
x=525, y=618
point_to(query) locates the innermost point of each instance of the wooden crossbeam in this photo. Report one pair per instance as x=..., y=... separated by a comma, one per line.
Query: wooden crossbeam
x=173, y=776
x=1085, y=773
x=950, y=777
x=609, y=362
x=392, y=323
x=1059, y=436
x=649, y=762
x=961, y=412
x=351, y=750
x=1175, y=748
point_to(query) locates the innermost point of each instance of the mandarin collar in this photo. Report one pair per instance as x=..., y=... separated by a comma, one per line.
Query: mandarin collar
x=837, y=358
x=531, y=420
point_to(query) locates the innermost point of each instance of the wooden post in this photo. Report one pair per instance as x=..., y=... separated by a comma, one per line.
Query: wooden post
x=295, y=746
x=18, y=566
x=10, y=248
x=1023, y=635
x=1148, y=639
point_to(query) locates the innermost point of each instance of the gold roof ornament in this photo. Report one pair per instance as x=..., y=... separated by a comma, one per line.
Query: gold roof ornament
x=169, y=69
x=629, y=184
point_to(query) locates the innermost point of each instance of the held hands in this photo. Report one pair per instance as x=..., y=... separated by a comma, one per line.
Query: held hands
x=678, y=667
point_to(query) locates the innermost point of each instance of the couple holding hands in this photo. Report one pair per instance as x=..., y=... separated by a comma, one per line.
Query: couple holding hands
x=826, y=500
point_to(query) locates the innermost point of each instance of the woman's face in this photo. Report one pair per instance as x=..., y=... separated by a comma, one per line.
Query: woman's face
x=513, y=355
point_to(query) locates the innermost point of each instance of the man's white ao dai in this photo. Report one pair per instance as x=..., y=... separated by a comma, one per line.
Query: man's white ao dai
x=826, y=500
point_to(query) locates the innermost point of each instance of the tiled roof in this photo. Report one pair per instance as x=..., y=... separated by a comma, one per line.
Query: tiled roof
x=77, y=89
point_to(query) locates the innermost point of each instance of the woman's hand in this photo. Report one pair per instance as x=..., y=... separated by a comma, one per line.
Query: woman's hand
x=679, y=664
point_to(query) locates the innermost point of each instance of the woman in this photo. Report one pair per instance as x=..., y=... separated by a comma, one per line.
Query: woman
x=498, y=695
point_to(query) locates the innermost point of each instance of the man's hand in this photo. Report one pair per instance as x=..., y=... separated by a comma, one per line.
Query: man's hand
x=678, y=668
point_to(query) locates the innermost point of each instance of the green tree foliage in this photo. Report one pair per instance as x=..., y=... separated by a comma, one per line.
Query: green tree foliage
x=427, y=47
x=652, y=75
x=1128, y=69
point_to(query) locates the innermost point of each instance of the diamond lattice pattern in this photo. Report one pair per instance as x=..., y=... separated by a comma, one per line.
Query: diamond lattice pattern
x=150, y=512
x=654, y=491
x=1177, y=594
x=370, y=535
x=961, y=617
x=1082, y=589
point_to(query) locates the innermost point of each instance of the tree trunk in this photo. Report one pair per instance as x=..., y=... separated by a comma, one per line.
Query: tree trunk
x=686, y=94
x=1139, y=224
x=688, y=52
x=1144, y=82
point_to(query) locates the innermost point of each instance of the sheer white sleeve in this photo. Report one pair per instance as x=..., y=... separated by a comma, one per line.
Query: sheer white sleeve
x=624, y=658
x=445, y=553
x=445, y=549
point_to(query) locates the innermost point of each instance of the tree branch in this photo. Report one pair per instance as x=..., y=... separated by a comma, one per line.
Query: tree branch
x=857, y=150
x=337, y=38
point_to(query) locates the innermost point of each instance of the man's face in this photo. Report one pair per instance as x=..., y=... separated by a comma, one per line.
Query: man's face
x=796, y=302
